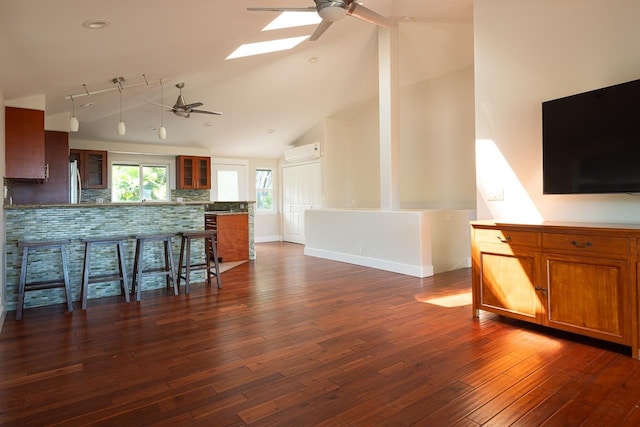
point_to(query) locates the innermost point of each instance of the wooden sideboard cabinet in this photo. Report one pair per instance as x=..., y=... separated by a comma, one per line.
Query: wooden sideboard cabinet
x=580, y=278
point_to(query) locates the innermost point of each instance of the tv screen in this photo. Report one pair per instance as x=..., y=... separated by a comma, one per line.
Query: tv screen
x=591, y=141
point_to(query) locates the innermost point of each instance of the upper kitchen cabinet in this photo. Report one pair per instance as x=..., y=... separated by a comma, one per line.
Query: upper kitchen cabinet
x=194, y=173
x=24, y=144
x=92, y=165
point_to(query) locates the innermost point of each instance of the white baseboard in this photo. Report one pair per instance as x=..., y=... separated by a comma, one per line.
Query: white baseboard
x=265, y=239
x=380, y=264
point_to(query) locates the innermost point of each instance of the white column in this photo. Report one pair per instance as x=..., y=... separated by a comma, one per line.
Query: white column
x=389, y=119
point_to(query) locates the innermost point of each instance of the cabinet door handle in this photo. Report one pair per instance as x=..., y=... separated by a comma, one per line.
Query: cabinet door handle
x=543, y=290
x=507, y=239
x=581, y=245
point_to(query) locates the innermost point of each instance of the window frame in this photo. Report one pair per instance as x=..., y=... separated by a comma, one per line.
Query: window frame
x=271, y=190
x=141, y=164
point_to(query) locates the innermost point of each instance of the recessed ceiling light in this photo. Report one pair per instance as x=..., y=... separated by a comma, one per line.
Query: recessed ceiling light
x=270, y=130
x=96, y=23
x=313, y=60
x=88, y=104
x=152, y=128
x=208, y=124
x=258, y=48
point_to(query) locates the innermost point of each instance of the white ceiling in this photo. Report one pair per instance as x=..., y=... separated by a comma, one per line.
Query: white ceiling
x=45, y=50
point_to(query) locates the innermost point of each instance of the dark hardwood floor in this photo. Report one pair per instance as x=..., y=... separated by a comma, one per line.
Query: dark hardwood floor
x=297, y=341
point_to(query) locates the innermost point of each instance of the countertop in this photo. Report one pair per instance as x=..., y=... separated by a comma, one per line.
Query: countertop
x=225, y=213
x=103, y=205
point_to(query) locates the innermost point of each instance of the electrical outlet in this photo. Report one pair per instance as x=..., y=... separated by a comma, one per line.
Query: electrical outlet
x=495, y=194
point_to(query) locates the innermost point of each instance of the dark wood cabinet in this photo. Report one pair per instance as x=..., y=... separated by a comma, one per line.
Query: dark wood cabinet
x=54, y=189
x=24, y=144
x=193, y=173
x=92, y=165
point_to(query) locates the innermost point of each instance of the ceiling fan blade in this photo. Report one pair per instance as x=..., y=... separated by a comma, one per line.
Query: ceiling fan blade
x=282, y=9
x=358, y=11
x=159, y=105
x=206, y=112
x=320, y=29
x=191, y=106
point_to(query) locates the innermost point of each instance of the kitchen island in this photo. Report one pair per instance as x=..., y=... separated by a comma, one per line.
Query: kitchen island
x=77, y=221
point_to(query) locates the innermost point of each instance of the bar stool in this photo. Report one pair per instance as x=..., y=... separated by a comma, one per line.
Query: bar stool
x=210, y=251
x=168, y=270
x=120, y=275
x=62, y=282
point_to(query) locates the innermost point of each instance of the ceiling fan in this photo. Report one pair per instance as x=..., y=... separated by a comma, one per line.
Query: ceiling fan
x=334, y=10
x=182, y=109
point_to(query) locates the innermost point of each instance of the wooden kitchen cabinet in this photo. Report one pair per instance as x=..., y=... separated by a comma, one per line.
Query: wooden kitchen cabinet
x=233, y=235
x=24, y=144
x=193, y=173
x=92, y=165
x=580, y=279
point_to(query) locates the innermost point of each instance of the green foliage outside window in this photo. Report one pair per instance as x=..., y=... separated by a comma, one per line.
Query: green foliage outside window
x=127, y=182
x=264, y=189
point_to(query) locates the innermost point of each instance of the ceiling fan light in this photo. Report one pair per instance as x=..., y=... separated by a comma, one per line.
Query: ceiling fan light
x=332, y=12
x=162, y=133
x=122, y=129
x=74, y=125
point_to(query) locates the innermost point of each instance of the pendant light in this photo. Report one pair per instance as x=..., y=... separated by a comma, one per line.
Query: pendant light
x=122, y=129
x=162, y=132
x=74, y=125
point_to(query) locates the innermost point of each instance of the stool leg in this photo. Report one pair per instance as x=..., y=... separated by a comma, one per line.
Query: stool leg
x=187, y=274
x=23, y=280
x=172, y=268
x=217, y=264
x=180, y=262
x=85, y=274
x=124, y=283
x=65, y=272
x=137, y=271
x=207, y=254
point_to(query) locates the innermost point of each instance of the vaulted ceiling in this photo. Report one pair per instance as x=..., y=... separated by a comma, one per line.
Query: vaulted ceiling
x=268, y=100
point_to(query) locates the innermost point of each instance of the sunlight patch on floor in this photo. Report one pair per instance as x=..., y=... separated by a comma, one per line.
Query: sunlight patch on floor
x=449, y=301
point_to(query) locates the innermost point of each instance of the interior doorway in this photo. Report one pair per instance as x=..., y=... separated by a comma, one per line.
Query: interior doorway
x=228, y=180
x=301, y=190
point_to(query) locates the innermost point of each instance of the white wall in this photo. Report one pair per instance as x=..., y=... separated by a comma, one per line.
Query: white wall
x=529, y=51
x=437, y=168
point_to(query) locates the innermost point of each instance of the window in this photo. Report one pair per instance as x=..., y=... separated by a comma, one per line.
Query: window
x=136, y=182
x=264, y=190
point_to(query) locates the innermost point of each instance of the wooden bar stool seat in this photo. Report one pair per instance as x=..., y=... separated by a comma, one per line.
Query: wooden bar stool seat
x=120, y=275
x=210, y=252
x=63, y=282
x=168, y=270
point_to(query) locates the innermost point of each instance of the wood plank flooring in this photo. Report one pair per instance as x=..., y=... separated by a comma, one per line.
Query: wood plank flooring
x=300, y=341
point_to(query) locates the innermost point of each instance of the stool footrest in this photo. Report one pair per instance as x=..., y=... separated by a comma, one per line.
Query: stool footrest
x=105, y=278
x=45, y=284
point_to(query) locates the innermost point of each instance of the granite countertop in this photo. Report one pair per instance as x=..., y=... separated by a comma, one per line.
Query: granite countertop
x=225, y=213
x=104, y=205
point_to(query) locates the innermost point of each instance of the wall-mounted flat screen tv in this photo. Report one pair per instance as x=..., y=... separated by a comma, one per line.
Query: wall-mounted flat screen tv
x=591, y=141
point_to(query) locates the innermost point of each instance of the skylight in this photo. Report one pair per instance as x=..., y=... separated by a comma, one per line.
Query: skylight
x=293, y=19
x=259, y=48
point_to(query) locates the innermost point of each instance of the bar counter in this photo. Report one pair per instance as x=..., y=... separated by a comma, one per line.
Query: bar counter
x=78, y=221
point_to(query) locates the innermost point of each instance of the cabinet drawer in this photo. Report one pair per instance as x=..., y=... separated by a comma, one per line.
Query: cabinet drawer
x=586, y=244
x=497, y=236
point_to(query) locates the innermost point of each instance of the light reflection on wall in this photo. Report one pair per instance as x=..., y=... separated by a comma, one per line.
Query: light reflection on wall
x=495, y=177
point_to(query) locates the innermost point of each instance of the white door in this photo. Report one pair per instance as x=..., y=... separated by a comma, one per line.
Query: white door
x=301, y=190
x=228, y=182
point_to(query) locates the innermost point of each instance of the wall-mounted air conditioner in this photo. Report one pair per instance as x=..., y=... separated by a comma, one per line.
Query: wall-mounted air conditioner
x=303, y=152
